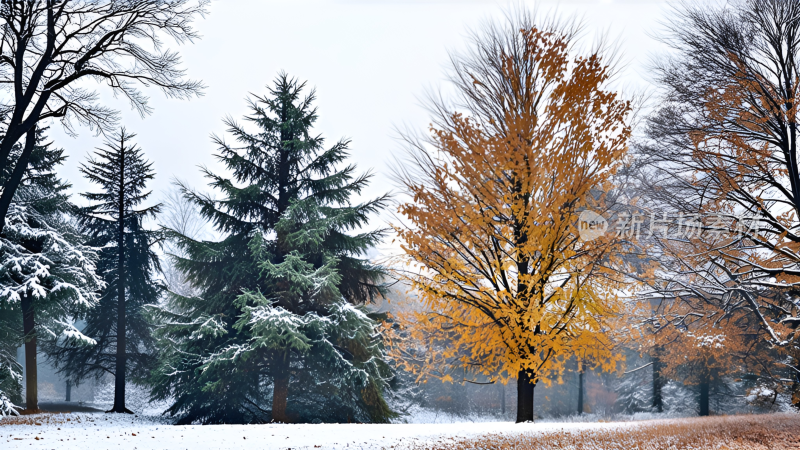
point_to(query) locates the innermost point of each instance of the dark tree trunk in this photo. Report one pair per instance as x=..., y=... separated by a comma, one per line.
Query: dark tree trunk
x=580, y=392
x=69, y=391
x=13, y=182
x=704, y=396
x=524, y=397
x=525, y=383
x=122, y=355
x=280, y=393
x=280, y=398
x=29, y=330
x=658, y=383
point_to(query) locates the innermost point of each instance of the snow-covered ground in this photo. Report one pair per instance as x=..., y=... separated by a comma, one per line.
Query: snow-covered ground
x=95, y=431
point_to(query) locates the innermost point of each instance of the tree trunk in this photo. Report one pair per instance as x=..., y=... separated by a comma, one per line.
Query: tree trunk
x=69, y=391
x=524, y=397
x=31, y=379
x=280, y=392
x=13, y=182
x=122, y=355
x=280, y=396
x=796, y=385
x=658, y=401
x=704, y=394
x=502, y=398
x=580, y=392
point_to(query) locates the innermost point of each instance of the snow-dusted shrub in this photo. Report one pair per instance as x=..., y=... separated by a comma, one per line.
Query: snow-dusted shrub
x=6, y=407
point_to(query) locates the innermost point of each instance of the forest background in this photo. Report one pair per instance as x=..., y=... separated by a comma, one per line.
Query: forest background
x=401, y=45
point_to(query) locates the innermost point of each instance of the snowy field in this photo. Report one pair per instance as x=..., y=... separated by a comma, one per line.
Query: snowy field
x=96, y=431
x=82, y=431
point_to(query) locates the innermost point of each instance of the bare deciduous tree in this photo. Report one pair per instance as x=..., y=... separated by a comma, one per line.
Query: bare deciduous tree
x=52, y=51
x=723, y=147
x=183, y=216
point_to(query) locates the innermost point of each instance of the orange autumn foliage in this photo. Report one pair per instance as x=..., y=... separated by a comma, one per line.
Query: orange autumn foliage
x=491, y=236
x=695, y=348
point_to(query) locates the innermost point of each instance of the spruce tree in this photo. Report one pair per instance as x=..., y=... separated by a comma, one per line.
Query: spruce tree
x=47, y=274
x=277, y=332
x=128, y=264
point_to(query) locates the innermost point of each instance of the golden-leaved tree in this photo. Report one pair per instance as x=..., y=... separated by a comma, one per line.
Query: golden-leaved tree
x=508, y=288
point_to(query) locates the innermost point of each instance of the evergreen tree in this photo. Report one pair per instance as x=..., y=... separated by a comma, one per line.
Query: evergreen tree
x=128, y=264
x=634, y=391
x=277, y=332
x=47, y=276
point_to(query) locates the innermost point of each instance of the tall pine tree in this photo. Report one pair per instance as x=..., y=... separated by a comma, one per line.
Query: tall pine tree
x=47, y=274
x=128, y=264
x=277, y=332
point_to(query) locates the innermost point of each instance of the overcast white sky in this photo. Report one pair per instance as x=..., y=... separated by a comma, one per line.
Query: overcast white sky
x=370, y=60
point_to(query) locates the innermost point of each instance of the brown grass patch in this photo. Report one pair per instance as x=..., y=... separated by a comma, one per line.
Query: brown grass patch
x=773, y=432
x=39, y=419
